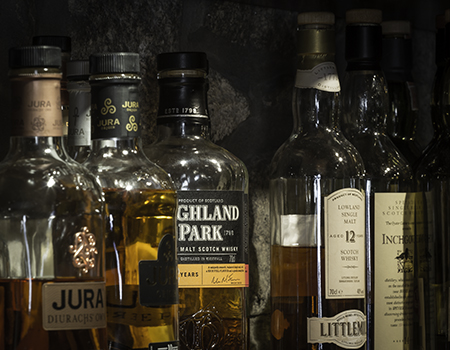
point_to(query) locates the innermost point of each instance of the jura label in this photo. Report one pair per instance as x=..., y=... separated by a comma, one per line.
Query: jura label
x=393, y=269
x=74, y=305
x=158, y=284
x=347, y=329
x=173, y=345
x=322, y=77
x=212, y=238
x=345, y=244
x=79, y=133
x=115, y=111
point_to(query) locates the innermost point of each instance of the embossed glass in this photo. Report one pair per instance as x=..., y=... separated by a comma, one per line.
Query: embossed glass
x=52, y=285
x=212, y=187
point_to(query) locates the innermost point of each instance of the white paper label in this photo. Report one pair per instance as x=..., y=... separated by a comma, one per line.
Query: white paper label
x=72, y=306
x=345, y=244
x=393, y=270
x=347, y=329
x=322, y=77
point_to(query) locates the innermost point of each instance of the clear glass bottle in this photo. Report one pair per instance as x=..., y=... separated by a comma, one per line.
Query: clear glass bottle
x=396, y=64
x=79, y=129
x=388, y=186
x=317, y=210
x=212, y=187
x=52, y=283
x=140, y=204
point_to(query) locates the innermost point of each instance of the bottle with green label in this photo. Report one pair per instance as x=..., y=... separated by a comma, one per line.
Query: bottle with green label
x=212, y=187
x=140, y=205
x=317, y=210
x=52, y=281
x=390, y=203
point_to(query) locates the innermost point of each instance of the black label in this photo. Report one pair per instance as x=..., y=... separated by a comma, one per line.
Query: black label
x=212, y=227
x=158, y=282
x=171, y=345
x=115, y=111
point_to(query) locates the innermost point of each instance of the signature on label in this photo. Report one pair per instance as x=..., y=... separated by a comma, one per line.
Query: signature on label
x=226, y=279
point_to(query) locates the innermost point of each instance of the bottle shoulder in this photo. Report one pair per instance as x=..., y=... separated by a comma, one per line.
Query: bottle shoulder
x=196, y=163
x=128, y=169
x=326, y=153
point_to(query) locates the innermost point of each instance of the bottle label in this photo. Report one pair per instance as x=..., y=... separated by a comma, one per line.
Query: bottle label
x=36, y=107
x=347, y=329
x=212, y=239
x=345, y=244
x=79, y=116
x=322, y=77
x=74, y=305
x=394, y=218
x=115, y=111
x=158, y=282
x=173, y=345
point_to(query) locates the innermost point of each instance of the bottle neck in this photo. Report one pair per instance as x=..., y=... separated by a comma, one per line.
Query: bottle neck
x=183, y=107
x=397, y=58
x=115, y=107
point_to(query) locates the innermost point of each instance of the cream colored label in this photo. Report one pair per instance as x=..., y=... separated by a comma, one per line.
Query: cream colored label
x=393, y=269
x=322, y=77
x=347, y=329
x=345, y=244
x=214, y=275
x=72, y=306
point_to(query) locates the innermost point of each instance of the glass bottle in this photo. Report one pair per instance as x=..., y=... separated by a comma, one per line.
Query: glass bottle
x=212, y=188
x=388, y=185
x=52, y=284
x=433, y=186
x=396, y=64
x=317, y=210
x=79, y=130
x=140, y=204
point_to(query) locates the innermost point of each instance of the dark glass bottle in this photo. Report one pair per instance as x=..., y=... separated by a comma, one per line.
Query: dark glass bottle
x=79, y=129
x=212, y=188
x=140, y=204
x=433, y=187
x=317, y=210
x=52, y=283
x=403, y=103
x=388, y=183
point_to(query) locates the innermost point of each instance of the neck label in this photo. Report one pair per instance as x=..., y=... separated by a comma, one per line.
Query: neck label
x=322, y=77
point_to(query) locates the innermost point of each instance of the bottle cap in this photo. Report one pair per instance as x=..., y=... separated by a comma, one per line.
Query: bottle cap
x=63, y=42
x=182, y=60
x=326, y=18
x=114, y=62
x=77, y=69
x=34, y=56
x=396, y=28
x=363, y=16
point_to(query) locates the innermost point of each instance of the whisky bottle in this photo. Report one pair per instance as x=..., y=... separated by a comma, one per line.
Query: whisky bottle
x=52, y=283
x=140, y=205
x=79, y=129
x=317, y=208
x=403, y=112
x=388, y=186
x=433, y=186
x=212, y=188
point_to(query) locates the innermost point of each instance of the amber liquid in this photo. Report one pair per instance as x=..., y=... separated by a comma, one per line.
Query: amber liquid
x=298, y=292
x=21, y=326
x=136, y=222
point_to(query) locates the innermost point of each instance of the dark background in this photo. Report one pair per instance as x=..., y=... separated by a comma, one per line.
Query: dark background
x=251, y=49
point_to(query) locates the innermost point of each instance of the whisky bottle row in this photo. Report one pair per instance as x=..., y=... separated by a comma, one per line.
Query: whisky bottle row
x=106, y=243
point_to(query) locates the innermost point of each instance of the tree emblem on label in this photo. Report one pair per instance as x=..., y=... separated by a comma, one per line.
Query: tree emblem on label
x=38, y=124
x=108, y=107
x=75, y=116
x=405, y=261
x=84, y=250
x=132, y=125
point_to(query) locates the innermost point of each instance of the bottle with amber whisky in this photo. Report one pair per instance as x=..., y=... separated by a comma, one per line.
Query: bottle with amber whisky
x=317, y=212
x=403, y=112
x=79, y=129
x=52, y=283
x=212, y=187
x=388, y=187
x=140, y=204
